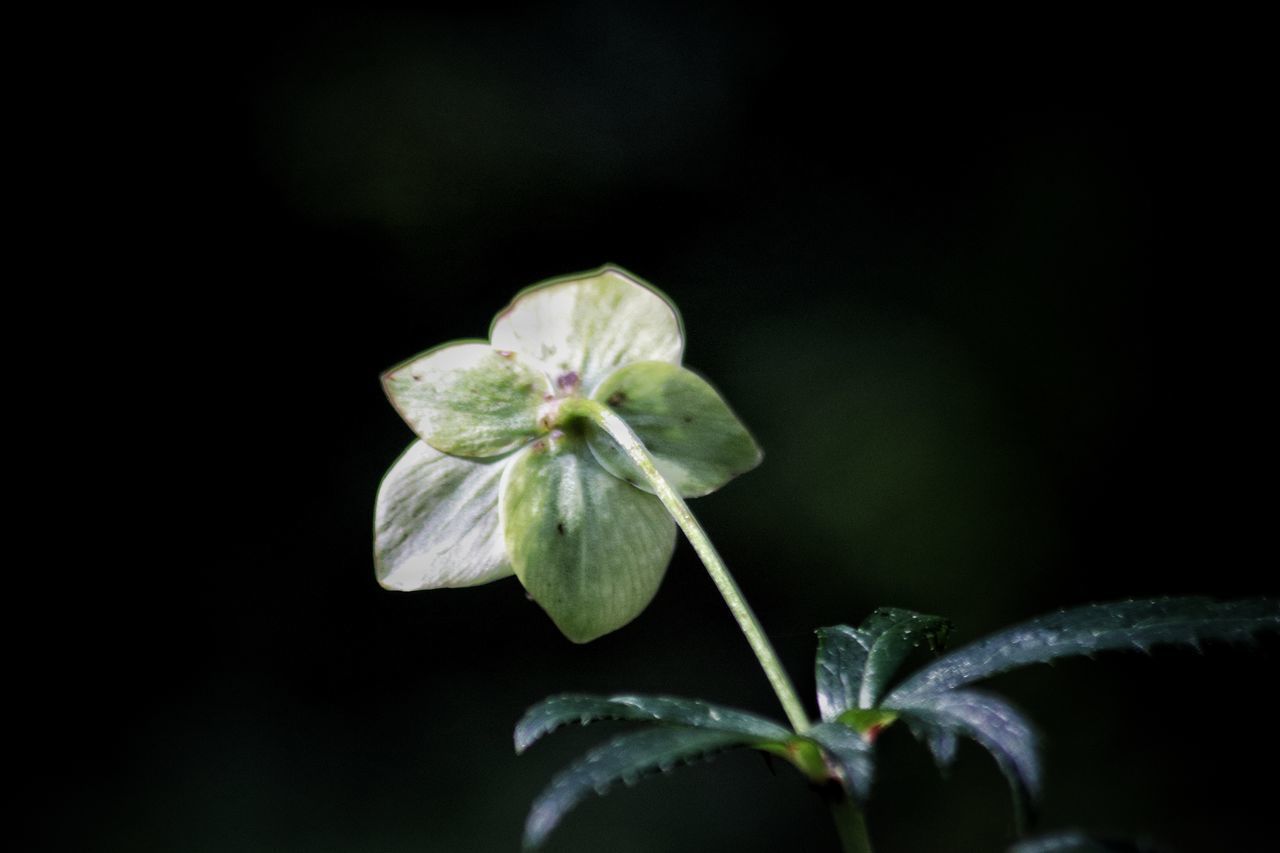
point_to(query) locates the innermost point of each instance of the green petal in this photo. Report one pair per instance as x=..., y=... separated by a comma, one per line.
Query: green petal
x=584, y=326
x=696, y=440
x=590, y=549
x=468, y=399
x=436, y=522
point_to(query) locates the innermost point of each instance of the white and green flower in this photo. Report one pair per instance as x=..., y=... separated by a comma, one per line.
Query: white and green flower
x=508, y=477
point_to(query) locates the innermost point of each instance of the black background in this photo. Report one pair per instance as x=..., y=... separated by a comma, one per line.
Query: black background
x=987, y=295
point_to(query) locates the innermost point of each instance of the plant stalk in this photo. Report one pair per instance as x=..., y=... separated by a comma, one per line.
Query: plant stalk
x=851, y=826
x=618, y=430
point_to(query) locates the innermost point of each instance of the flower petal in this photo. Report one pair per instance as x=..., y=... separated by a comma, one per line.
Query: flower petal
x=589, y=324
x=590, y=549
x=468, y=399
x=436, y=522
x=696, y=440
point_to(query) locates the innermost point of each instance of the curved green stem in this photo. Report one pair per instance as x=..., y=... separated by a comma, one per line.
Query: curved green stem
x=747, y=621
x=850, y=825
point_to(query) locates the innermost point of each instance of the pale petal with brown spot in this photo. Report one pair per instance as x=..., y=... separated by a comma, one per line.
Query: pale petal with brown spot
x=589, y=548
x=696, y=440
x=468, y=399
x=589, y=325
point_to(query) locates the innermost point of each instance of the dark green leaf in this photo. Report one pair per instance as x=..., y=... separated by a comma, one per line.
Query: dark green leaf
x=942, y=745
x=894, y=633
x=1088, y=630
x=854, y=665
x=850, y=752
x=842, y=653
x=990, y=721
x=556, y=711
x=625, y=758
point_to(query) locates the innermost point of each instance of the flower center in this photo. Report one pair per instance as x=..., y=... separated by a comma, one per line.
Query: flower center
x=561, y=412
x=568, y=383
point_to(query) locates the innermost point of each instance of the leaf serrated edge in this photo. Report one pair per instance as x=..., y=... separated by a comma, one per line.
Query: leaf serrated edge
x=555, y=801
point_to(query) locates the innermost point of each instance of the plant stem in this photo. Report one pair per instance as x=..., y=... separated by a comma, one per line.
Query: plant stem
x=747, y=621
x=850, y=825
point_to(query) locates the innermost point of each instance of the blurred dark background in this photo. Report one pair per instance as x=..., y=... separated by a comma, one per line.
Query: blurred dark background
x=979, y=298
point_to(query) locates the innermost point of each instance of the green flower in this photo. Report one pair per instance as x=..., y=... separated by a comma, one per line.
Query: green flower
x=510, y=477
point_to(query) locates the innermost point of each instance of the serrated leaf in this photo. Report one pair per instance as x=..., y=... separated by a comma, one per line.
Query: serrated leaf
x=851, y=754
x=990, y=721
x=556, y=711
x=854, y=665
x=468, y=399
x=590, y=549
x=697, y=442
x=624, y=758
x=842, y=653
x=1088, y=630
x=943, y=745
x=894, y=633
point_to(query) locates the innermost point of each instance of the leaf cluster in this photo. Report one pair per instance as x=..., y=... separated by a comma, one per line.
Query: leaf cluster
x=858, y=698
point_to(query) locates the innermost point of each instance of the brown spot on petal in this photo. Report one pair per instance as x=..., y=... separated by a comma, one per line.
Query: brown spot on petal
x=617, y=398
